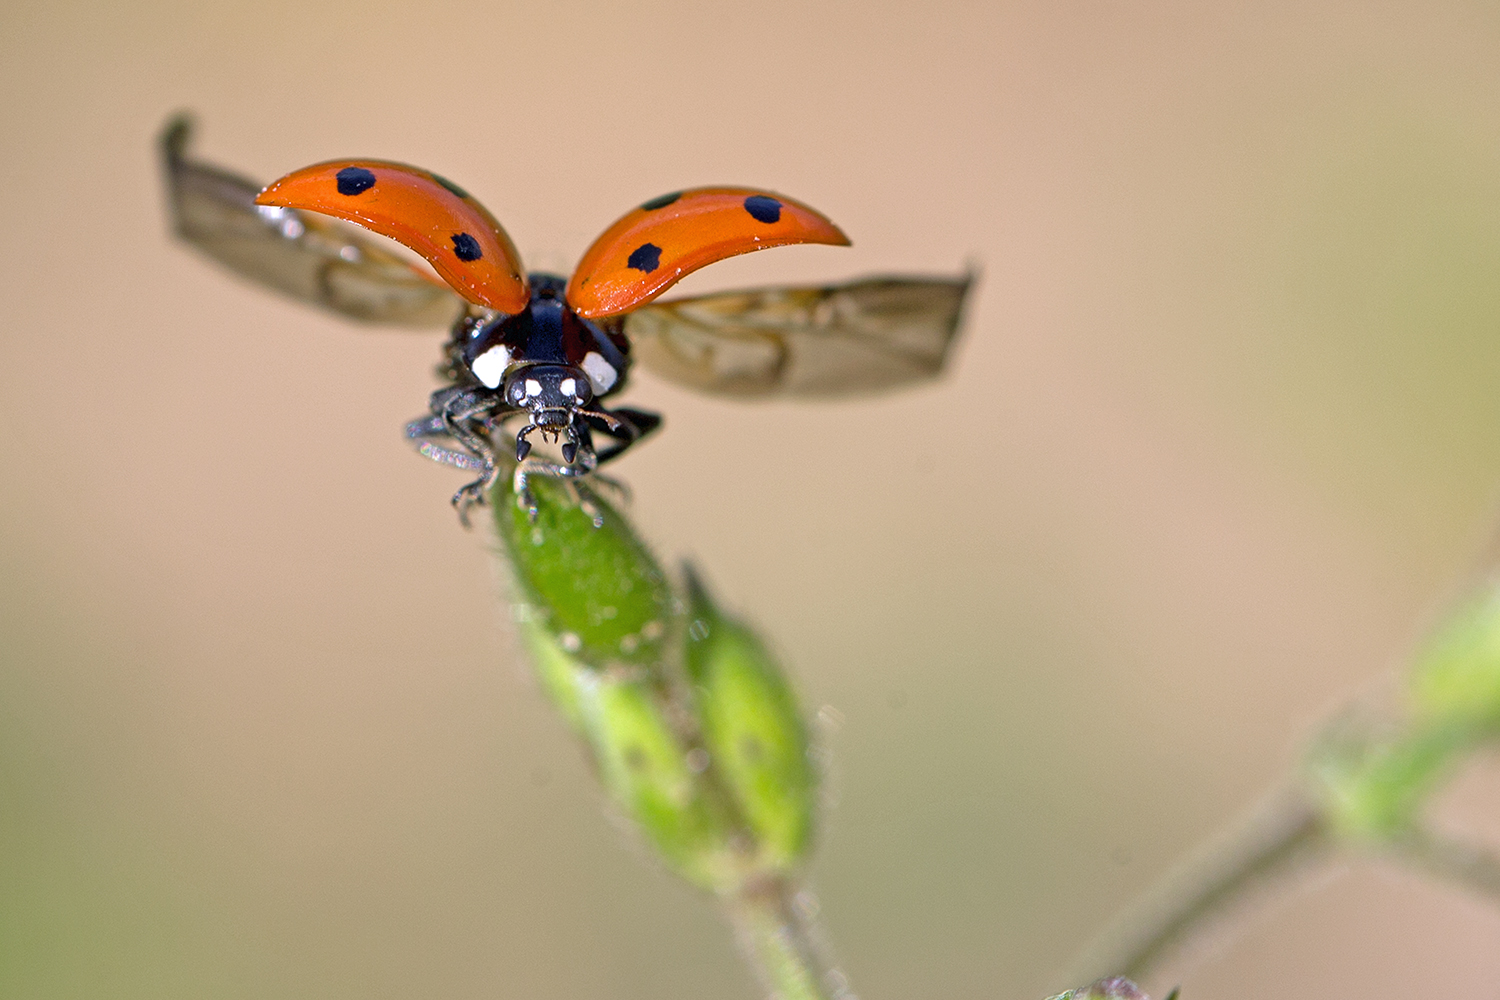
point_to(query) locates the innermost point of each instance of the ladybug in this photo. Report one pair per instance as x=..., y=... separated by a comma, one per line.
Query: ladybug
x=544, y=351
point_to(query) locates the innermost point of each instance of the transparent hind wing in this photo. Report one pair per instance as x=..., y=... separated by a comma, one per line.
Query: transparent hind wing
x=863, y=337
x=297, y=253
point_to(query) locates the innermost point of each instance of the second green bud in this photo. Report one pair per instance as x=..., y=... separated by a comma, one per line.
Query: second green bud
x=752, y=730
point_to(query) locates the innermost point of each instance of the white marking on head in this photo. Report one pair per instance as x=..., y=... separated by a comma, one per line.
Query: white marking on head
x=533, y=387
x=601, y=373
x=489, y=367
x=567, y=386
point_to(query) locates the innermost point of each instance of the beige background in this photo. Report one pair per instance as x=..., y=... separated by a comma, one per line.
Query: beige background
x=1223, y=429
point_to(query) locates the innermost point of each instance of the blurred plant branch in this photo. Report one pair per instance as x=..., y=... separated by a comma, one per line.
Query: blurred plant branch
x=1363, y=788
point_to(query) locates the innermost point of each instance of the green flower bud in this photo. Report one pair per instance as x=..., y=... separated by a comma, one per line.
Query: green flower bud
x=1373, y=778
x=625, y=721
x=1456, y=681
x=594, y=621
x=555, y=668
x=592, y=583
x=752, y=730
x=1372, y=782
x=650, y=774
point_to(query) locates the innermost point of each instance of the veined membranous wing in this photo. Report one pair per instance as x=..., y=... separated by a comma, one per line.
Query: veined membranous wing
x=851, y=339
x=301, y=254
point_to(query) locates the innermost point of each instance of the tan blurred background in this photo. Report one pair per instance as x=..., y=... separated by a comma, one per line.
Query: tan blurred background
x=1223, y=430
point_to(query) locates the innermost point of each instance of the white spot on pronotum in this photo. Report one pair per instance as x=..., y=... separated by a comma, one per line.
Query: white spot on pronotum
x=533, y=387
x=350, y=252
x=570, y=641
x=489, y=367
x=568, y=386
x=601, y=373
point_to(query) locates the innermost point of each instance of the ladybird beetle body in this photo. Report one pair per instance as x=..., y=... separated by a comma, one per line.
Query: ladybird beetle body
x=547, y=351
x=542, y=347
x=548, y=363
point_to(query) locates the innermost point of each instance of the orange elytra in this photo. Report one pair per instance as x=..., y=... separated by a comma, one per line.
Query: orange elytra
x=432, y=216
x=650, y=248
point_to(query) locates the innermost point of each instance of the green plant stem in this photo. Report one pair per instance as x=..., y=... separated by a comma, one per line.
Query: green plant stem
x=1287, y=833
x=779, y=939
x=1466, y=865
x=1283, y=834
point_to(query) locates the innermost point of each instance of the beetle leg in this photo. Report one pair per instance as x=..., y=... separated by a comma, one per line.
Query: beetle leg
x=464, y=414
x=423, y=429
x=472, y=493
x=624, y=426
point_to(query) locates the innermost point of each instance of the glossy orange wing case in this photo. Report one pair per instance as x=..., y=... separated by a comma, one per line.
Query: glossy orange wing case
x=644, y=253
x=421, y=210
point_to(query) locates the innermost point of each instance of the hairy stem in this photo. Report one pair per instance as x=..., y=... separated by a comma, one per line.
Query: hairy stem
x=1466, y=865
x=1283, y=834
x=779, y=938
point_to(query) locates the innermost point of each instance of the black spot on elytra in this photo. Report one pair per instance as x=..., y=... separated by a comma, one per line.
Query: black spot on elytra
x=763, y=209
x=445, y=182
x=354, y=180
x=661, y=202
x=466, y=247
x=645, y=257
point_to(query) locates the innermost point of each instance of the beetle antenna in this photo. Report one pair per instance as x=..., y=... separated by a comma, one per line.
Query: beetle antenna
x=610, y=421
